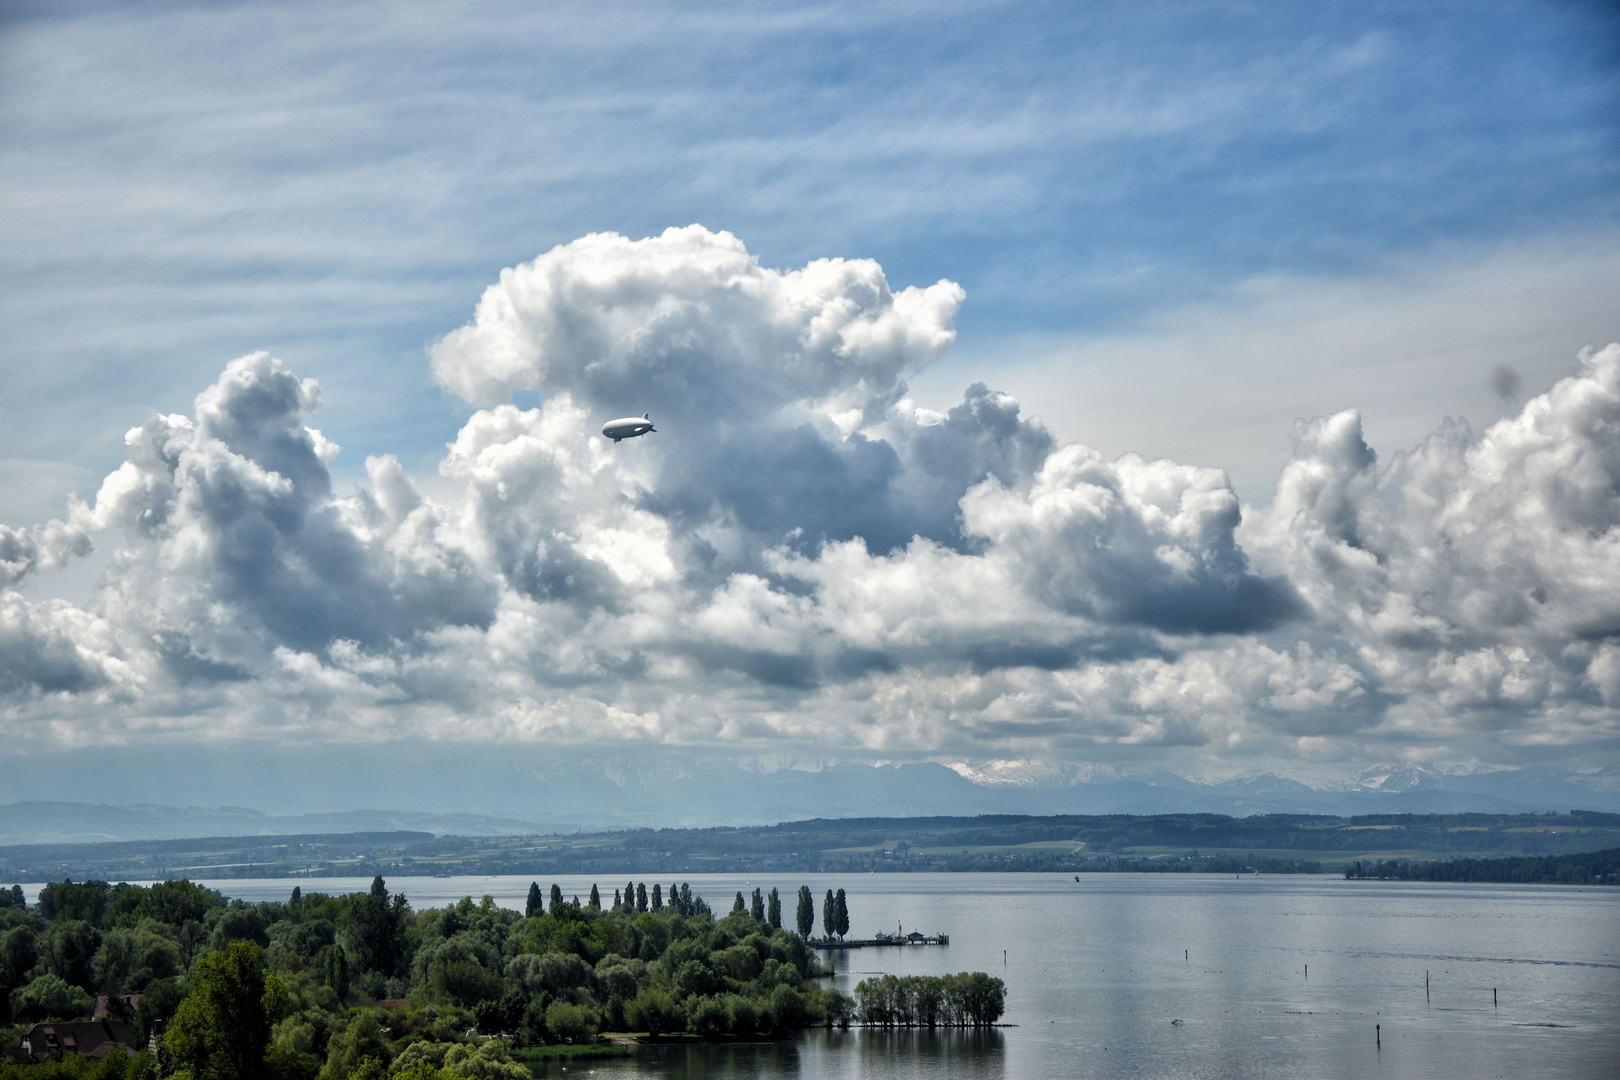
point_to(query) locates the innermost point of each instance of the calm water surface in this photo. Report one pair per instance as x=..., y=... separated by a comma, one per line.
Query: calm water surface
x=1097, y=969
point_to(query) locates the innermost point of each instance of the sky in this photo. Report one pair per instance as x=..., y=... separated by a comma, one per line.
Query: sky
x=1224, y=386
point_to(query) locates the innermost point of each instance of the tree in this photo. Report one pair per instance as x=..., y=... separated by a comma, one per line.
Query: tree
x=596, y=897
x=840, y=915
x=629, y=894
x=297, y=897
x=352, y=1045
x=69, y=949
x=654, y=1012
x=737, y=905
x=673, y=899
x=534, y=906
x=657, y=897
x=617, y=900
x=337, y=971
x=829, y=915
x=641, y=899
x=50, y=998
x=687, y=907
x=773, y=909
x=756, y=906
x=570, y=1023
x=373, y=931
x=159, y=1001
x=220, y=1031
x=805, y=917
x=556, y=897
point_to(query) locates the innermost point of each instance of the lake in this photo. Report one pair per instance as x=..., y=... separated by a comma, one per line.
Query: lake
x=1098, y=969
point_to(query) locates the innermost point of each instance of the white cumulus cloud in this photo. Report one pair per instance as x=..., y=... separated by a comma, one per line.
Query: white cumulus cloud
x=800, y=554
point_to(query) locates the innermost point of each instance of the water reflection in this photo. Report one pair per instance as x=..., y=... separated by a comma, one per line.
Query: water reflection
x=975, y=1055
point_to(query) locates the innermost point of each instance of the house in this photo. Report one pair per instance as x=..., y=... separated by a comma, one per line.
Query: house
x=92, y=1038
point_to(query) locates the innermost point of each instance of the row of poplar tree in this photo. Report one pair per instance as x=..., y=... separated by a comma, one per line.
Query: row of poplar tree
x=766, y=908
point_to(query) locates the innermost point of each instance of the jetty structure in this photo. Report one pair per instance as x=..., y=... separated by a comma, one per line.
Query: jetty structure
x=881, y=940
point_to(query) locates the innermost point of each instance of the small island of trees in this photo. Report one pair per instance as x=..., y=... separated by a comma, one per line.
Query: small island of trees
x=363, y=987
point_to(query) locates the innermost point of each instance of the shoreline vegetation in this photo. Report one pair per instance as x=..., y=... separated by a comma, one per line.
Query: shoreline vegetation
x=1197, y=843
x=1587, y=868
x=364, y=987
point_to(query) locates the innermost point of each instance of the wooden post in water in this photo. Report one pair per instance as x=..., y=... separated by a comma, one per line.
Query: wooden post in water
x=1379, y=1035
x=1186, y=954
x=1493, y=997
x=1425, y=986
x=1307, y=971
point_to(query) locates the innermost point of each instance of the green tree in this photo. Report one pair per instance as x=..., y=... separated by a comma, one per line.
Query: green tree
x=653, y=1011
x=805, y=917
x=840, y=915
x=19, y=952
x=829, y=915
x=556, y=897
x=773, y=909
x=374, y=931
x=222, y=1028
x=738, y=907
x=570, y=1023
x=618, y=900
x=657, y=897
x=756, y=906
x=177, y=902
x=596, y=897
x=350, y=1047
x=69, y=950
x=629, y=894
x=534, y=905
x=159, y=1002
x=49, y=997
x=337, y=971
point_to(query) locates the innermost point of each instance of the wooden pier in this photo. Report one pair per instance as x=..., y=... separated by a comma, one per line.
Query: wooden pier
x=882, y=941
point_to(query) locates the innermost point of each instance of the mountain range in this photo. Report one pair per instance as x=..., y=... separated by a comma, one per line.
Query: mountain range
x=471, y=792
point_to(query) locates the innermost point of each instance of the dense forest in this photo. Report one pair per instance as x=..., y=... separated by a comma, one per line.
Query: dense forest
x=1589, y=868
x=362, y=986
x=1291, y=842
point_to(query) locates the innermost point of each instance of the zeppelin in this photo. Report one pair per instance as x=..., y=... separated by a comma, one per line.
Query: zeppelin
x=628, y=428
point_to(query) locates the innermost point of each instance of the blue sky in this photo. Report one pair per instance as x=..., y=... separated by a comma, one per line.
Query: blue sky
x=1180, y=228
x=189, y=182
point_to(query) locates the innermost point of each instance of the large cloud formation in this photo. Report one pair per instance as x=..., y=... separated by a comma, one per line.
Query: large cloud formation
x=803, y=556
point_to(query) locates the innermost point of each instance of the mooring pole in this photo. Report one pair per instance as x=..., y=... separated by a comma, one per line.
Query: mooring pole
x=1425, y=986
x=1379, y=1035
x=1493, y=997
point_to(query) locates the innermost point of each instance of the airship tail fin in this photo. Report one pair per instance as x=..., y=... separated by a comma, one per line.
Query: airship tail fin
x=646, y=416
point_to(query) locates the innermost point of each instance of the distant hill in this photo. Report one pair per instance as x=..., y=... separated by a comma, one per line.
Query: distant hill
x=260, y=789
x=1273, y=843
